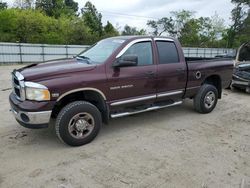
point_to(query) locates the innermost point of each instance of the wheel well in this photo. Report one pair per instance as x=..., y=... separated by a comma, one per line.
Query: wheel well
x=87, y=95
x=214, y=80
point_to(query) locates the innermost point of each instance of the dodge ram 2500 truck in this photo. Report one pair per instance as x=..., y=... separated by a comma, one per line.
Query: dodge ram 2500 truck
x=116, y=77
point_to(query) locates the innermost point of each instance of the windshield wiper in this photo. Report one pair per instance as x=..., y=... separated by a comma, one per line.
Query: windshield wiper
x=84, y=58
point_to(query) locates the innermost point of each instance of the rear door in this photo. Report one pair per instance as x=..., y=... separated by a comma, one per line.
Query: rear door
x=172, y=72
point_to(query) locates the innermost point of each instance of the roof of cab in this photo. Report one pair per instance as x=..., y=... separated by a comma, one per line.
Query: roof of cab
x=130, y=37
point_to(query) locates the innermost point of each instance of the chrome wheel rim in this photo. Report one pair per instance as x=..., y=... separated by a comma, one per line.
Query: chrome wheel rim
x=209, y=99
x=81, y=125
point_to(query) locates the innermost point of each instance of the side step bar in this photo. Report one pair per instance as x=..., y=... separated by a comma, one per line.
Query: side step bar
x=144, y=110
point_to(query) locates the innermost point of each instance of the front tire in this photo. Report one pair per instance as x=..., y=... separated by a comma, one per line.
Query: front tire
x=78, y=123
x=206, y=99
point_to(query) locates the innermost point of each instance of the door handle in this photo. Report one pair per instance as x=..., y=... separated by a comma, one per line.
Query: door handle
x=180, y=70
x=150, y=73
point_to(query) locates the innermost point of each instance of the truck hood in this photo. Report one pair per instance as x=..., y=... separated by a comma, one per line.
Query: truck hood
x=56, y=68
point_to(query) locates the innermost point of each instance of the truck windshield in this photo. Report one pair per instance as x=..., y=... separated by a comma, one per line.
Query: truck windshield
x=100, y=52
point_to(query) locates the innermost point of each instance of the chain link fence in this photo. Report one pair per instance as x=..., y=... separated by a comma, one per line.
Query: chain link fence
x=11, y=53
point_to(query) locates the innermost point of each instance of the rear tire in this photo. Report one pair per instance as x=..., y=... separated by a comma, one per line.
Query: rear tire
x=78, y=123
x=206, y=99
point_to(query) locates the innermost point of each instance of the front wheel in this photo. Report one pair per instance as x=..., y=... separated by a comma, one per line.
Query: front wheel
x=206, y=99
x=78, y=123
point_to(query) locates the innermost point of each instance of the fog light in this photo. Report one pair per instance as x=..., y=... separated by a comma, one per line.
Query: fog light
x=24, y=117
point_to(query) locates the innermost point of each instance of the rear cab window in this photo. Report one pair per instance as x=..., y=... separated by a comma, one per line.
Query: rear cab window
x=167, y=52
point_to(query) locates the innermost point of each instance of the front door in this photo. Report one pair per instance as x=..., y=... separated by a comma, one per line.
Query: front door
x=135, y=84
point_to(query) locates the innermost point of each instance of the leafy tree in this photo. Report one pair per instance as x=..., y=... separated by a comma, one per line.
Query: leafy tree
x=180, y=19
x=92, y=18
x=109, y=30
x=50, y=7
x=57, y=8
x=163, y=25
x=3, y=5
x=8, y=20
x=132, y=31
x=239, y=30
x=212, y=31
x=71, y=4
x=172, y=25
x=23, y=4
x=191, y=31
x=32, y=26
x=79, y=33
x=57, y=22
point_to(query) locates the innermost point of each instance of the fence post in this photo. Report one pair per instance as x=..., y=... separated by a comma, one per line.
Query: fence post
x=67, y=53
x=42, y=46
x=20, y=53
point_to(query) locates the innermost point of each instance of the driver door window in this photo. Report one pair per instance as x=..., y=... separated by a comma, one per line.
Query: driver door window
x=143, y=50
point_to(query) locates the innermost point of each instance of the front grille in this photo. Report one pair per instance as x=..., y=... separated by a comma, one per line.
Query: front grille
x=17, y=88
x=17, y=92
x=16, y=81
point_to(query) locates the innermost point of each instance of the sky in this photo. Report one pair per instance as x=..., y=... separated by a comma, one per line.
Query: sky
x=136, y=12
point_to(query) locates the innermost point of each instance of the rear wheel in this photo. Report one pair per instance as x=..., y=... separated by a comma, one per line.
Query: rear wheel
x=78, y=123
x=206, y=99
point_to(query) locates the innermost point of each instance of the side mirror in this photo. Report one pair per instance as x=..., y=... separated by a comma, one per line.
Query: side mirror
x=126, y=61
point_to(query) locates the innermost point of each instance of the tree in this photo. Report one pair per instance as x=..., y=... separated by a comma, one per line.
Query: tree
x=57, y=8
x=133, y=31
x=212, y=31
x=3, y=5
x=8, y=20
x=72, y=5
x=109, y=30
x=163, y=25
x=180, y=19
x=240, y=26
x=191, y=31
x=171, y=26
x=50, y=7
x=23, y=4
x=92, y=18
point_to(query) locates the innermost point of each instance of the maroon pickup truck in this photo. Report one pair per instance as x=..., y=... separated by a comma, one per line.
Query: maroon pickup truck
x=116, y=77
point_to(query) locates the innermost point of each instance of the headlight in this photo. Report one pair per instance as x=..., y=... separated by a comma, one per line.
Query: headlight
x=37, y=92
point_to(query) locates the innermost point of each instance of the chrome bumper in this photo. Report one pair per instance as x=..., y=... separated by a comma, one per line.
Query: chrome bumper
x=244, y=83
x=240, y=81
x=32, y=118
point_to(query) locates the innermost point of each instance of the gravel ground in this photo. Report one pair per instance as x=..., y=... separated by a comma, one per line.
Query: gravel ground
x=174, y=147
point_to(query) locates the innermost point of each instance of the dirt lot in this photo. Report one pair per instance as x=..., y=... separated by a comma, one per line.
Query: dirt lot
x=174, y=147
